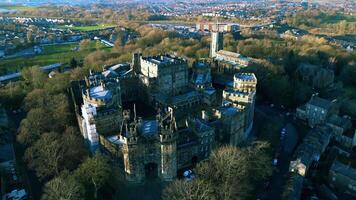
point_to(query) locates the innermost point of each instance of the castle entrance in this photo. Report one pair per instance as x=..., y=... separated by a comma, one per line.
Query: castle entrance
x=151, y=171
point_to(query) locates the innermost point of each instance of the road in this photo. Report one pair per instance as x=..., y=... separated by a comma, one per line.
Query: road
x=23, y=53
x=279, y=176
x=29, y=179
x=275, y=186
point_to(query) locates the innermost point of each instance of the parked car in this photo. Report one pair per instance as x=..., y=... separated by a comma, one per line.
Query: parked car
x=189, y=175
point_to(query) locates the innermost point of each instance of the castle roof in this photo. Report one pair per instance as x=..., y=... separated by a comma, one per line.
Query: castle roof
x=186, y=138
x=164, y=60
x=149, y=127
x=229, y=111
x=115, y=139
x=320, y=102
x=99, y=92
x=200, y=126
x=210, y=91
x=339, y=121
x=118, y=70
x=245, y=76
x=345, y=170
x=202, y=65
x=185, y=96
x=108, y=73
x=237, y=92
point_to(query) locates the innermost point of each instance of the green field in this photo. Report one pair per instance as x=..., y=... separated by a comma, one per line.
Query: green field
x=50, y=49
x=61, y=53
x=88, y=28
x=17, y=7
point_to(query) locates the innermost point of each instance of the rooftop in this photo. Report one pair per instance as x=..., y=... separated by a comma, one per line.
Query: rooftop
x=230, y=111
x=186, y=138
x=210, y=91
x=229, y=53
x=237, y=92
x=340, y=121
x=115, y=139
x=201, y=126
x=320, y=102
x=202, y=65
x=245, y=76
x=232, y=63
x=185, y=96
x=99, y=92
x=118, y=70
x=344, y=169
x=164, y=60
x=149, y=127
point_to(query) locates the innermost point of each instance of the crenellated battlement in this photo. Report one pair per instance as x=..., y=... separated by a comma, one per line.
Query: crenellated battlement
x=163, y=60
x=236, y=93
x=245, y=77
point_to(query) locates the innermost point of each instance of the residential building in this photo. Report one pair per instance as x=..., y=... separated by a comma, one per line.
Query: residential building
x=343, y=178
x=316, y=111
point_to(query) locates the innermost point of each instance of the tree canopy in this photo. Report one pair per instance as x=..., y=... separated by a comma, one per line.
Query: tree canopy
x=229, y=173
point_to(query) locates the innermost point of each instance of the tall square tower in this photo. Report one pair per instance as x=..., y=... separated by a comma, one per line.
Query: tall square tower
x=217, y=43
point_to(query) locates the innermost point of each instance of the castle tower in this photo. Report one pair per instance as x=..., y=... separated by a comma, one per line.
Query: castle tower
x=243, y=96
x=245, y=82
x=168, y=150
x=136, y=63
x=217, y=43
x=134, y=170
x=101, y=109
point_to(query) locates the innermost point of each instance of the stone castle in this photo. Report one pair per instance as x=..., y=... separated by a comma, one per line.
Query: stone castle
x=156, y=115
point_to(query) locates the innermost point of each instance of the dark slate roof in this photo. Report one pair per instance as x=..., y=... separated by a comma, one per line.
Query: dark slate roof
x=345, y=170
x=340, y=121
x=149, y=127
x=186, y=138
x=320, y=102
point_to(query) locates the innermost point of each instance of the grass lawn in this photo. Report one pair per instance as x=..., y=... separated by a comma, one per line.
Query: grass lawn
x=50, y=49
x=61, y=53
x=88, y=28
x=331, y=19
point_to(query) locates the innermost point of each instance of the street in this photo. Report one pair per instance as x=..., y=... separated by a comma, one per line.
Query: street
x=283, y=147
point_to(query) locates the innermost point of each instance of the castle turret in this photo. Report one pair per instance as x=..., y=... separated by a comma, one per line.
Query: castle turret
x=245, y=82
x=136, y=62
x=242, y=95
x=134, y=170
x=168, y=151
